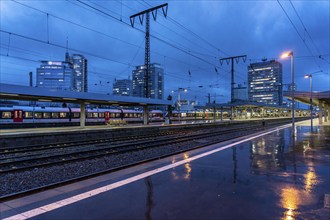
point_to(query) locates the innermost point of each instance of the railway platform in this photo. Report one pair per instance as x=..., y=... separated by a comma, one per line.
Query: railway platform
x=15, y=131
x=43, y=130
x=268, y=175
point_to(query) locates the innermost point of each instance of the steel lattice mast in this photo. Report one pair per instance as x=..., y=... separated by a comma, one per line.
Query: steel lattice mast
x=231, y=59
x=141, y=14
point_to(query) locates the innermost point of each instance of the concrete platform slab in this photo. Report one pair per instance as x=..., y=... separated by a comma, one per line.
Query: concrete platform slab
x=271, y=176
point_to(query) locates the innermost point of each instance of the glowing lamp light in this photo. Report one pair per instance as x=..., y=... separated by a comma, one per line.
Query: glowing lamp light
x=286, y=54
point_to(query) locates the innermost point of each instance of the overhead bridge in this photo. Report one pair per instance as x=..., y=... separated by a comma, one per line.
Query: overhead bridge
x=17, y=92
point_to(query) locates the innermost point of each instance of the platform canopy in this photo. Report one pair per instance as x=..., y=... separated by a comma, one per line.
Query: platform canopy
x=17, y=92
x=242, y=104
x=304, y=97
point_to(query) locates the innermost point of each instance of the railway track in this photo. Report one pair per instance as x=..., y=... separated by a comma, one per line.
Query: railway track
x=40, y=158
x=10, y=153
x=16, y=162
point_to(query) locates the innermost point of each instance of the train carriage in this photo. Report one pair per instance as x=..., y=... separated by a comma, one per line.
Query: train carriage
x=29, y=114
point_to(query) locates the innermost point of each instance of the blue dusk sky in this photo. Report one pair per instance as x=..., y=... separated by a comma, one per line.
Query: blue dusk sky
x=189, y=42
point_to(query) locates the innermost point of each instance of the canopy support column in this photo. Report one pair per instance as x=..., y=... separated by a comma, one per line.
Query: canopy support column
x=82, y=114
x=145, y=114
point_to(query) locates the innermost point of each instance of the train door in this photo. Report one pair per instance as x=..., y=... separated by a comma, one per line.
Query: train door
x=18, y=115
x=106, y=116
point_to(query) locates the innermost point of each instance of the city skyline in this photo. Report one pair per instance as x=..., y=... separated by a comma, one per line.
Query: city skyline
x=190, y=53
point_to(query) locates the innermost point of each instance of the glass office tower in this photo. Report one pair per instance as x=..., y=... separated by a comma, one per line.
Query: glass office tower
x=265, y=82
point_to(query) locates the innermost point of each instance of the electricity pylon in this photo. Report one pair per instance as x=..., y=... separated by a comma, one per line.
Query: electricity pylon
x=141, y=14
x=231, y=59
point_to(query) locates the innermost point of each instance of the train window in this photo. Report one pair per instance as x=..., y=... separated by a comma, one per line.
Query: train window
x=28, y=115
x=55, y=115
x=126, y=115
x=46, y=115
x=76, y=114
x=37, y=115
x=6, y=115
x=101, y=115
x=112, y=115
x=89, y=115
x=63, y=114
x=95, y=114
x=117, y=115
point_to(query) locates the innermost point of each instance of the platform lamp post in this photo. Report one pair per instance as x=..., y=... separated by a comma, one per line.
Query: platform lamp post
x=285, y=55
x=310, y=76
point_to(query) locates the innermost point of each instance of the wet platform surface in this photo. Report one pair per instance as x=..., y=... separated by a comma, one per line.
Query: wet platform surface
x=273, y=176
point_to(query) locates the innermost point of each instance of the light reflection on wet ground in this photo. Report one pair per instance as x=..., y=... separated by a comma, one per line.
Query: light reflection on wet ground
x=303, y=163
x=271, y=177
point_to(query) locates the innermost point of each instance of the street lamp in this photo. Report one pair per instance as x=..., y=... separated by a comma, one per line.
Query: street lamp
x=310, y=97
x=179, y=102
x=285, y=55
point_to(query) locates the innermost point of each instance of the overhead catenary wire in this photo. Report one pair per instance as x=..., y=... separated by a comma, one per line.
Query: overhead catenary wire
x=302, y=23
x=103, y=33
x=199, y=37
x=296, y=29
x=193, y=33
x=151, y=35
x=191, y=51
x=99, y=73
x=159, y=39
x=126, y=23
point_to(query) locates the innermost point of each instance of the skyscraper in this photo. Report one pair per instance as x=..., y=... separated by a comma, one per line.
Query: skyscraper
x=156, y=81
x=55, y=75
x=70, y=74
x=265, y=82
x=122, y=87
x=79, y=65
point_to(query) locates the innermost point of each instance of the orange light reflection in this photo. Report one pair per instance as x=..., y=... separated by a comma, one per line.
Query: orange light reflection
x=310, y=179
x=188, y=171
x=290, y=201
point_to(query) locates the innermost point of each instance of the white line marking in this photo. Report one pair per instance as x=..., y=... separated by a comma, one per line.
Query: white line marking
x=85, y=195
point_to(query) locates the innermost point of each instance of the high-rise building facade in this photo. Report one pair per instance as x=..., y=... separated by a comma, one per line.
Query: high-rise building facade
x=79, y=65
x=55, y=75
x=70, y=75
x=155, y=81
x=122, y=87
x=265, y=82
